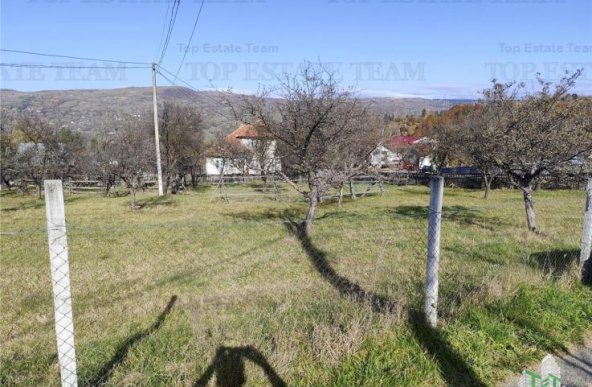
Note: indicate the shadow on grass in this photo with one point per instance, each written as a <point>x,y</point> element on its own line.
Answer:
<point>33,204</point>
<point>528,330</point>
<point>587,271</point>
<point>199,188</point>
<point>452,366</point>
<point>555,263</point>
<point>229,367</point>
<point>465,216</point>
<point>155,202</point>
<point>345,287</point>
<point>268,214</point>
<point>120,355</point>
<point>199,271</point>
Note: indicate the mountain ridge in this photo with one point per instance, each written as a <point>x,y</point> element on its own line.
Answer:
<point>90,111</point>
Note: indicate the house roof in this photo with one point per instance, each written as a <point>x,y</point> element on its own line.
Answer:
<point>244,131</point>
<point>397,142</point>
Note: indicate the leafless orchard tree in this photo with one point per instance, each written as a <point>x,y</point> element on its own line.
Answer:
<point>528,134</point>
<point>317,124</point>
<point>133,154</point>
<point>8,150</point>
<point>43,151</point>
<point>181,142</point>
<point>354,161</point>
<point>101,161</point>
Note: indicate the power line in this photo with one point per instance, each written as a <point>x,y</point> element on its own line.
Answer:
<point>172,21</point>
<point>164,23</point>
<point>194,89</point>
<point>72,57</point>
<point>42,66</point>
<point>190,38</point>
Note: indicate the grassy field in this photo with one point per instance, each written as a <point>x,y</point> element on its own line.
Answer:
<point>191,290</point>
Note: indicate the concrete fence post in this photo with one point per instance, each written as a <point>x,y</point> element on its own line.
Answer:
<point>60,280</point>
<point>433,258</point>
<point>586,245</point>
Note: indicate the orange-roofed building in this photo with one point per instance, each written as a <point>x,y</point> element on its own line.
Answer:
<point>260,154</point>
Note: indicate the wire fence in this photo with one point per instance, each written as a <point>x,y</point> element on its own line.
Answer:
<point>250,285</point>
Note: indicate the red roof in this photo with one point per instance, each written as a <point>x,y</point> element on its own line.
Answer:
<point>397,142</point>
<point>244,131</point>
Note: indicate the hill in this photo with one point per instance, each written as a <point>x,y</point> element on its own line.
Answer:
<point>89,111</point>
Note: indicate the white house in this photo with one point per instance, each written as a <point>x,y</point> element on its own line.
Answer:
<point>382,156</point>
<point>397,152</point>
<point>259,156</point>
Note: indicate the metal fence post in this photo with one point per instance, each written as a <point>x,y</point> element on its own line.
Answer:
<point>60,280</point>
<point>433,259</point>
<point>586,245</point>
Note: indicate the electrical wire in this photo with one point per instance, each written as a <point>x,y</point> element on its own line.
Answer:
<point>186,84</point>
<point>42,66</point>
<point>192,88</point>
<point>190,39</point>
<point>71,57</point>
<point>164,23</point>
<point>172,21</point>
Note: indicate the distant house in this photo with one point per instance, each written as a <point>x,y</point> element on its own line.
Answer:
<point>397,153</point>
<point>255,154</point>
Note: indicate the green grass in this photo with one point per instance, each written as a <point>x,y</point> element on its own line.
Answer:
<point>190,281</point>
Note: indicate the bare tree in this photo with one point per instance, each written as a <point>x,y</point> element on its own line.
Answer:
<point>101,161</point>
<point>181,142</point>
<point>316,124</point>
<point>44,152</point>
<point>477,152</point>
<point>8,150</point>
<point>356,159</point>
<point>529,134</point>
<point>133,155</point>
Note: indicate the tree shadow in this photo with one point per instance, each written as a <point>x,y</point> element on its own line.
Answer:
<point>345,287</point>
<point>154,202</point>
<point>267,214</point>
<point>586,271</point>
<point>453,368</point>
<point>189,275</point>
<point>546,341</point>
<point>555,263</point>
<point>229,367</point>
<point>465,216</point>
<point>199,188</point>
<point>29,205</point>
<point>120,355</point>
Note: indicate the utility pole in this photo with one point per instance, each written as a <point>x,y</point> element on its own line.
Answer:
<point>156,135</point>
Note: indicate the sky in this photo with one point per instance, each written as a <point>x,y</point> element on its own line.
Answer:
<point>398,48</point>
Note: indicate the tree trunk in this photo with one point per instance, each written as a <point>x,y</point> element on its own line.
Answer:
<point>192,178</point>
<point>108,184</point>
<point>133,196</point>
<point>352,191</point>
<point>37,191</point>
<point>528,205</point>
<point>340,202</point>
<point>166,183</point>
<point>312,205</point>
<point>487,178</point>
<point>5,183</point>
